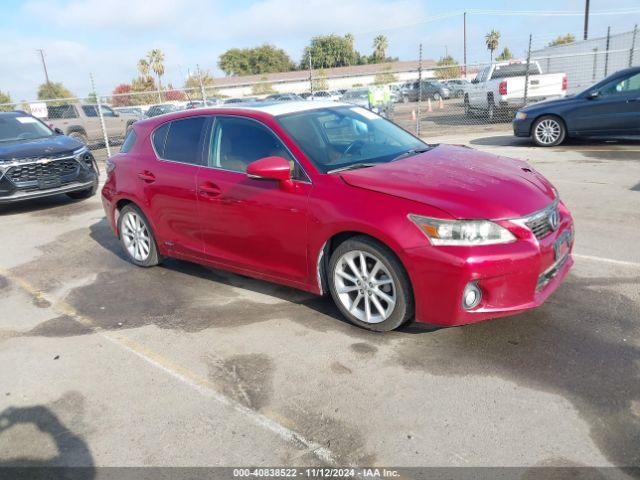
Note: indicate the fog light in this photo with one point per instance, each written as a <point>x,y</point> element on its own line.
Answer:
<point>471,296</point>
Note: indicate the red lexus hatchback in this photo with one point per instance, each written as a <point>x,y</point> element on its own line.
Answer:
<point>329,197</point>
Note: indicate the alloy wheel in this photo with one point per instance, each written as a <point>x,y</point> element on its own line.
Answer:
<point>136,237</point>
<point>548,131</point>
<point>365,286</point>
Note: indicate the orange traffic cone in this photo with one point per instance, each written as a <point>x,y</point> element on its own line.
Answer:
<point>429,109</point>
<point>441,104</point>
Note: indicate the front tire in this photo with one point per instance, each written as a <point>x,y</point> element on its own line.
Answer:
<point>548,131</point>
<point>369,285</point>
<point>137,237</point>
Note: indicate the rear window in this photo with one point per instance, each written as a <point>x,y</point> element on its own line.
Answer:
<point>61,111</point>
<point>180,140</point>
<point>515,70</point>
<point>129,141</point>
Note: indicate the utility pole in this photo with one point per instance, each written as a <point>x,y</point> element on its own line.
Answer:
<point>44,65</point>
<point>464,46</point>
<point>586,19</point>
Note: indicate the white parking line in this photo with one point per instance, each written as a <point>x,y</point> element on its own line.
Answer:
<point>607,260</point>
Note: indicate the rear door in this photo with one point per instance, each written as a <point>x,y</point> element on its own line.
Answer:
<point>614,111</point>
<point>168,178</point>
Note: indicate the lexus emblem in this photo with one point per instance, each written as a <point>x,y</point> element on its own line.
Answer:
<point>554,219</point>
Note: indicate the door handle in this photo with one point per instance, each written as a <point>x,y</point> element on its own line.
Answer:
<point>147,176</point>
<point>209,189</point>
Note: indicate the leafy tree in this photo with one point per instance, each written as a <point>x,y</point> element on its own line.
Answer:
<point>143,68</point>
<point>120,95</point>
<point>50,90</point>
<point>380,45</point>
<point>492,40</point>
<point>505,55</point>
<point>320,82</point>
<point>449,68</point>
<point>5,98</point>
<point>328,51</point>
<point>385,77</point>
<point>156,62</point>
<point>262,88</point>
<point>141,85</point>
<point>192,84</point>
<point>255,61</point>
<point>92,98</point>
<point>563,40</point>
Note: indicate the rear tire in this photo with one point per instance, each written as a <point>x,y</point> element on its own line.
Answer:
<point>376,294</point>
<point>137,238</point>
<point>548,131</point>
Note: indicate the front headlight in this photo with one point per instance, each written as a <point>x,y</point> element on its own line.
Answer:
<point>462,232</point>
<point>521,115</point>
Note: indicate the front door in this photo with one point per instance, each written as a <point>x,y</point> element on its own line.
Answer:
<point>615,110</point>
<point>256,225</point>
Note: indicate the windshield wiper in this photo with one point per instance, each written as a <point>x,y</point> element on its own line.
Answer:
<point>353,166</point>
<point>412,152</point>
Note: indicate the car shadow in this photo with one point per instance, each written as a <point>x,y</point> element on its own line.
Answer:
<point>37,204</point>
<point>513,141</point>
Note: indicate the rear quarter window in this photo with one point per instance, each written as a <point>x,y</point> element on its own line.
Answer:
<point>159,138</point>
<point>129,141</point>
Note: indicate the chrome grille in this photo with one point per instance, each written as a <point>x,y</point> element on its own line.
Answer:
<point>541,223</point>
<point>33,171</point>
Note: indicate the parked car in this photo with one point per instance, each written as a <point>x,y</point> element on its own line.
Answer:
<point>134,111</point>
<point>241,100</point>
<point>325,95</point>
<point>82,122</point>
<point>432,89</point>
<point>610,108</point>
<point>331,198</point>
<point>155,110</point>
<point>200,104</point>
<point>357,96</point>
<point>305,95</point>
<point>498,89</point>
<point>457,87</point>
<point>37,161</point>
<point>284,97</point>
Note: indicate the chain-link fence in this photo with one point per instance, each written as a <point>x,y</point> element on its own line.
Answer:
<point>423,96</point>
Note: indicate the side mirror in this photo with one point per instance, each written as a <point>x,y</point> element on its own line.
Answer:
<point>270,168</point>
<point>593,95</point>
<point>58,131</point>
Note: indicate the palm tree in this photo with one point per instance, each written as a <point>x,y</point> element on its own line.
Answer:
<point>492,39</point>
<point>143,68</point>
<point>156,57</point>
<point>380,45</point>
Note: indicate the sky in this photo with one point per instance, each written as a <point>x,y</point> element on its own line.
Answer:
<point>107,38</point>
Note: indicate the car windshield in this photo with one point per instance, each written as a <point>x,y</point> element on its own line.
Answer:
<point>339,137</point>
<point>22,127</point>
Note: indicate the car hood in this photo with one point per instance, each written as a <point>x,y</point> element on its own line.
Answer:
<point>461,181</point>
<point>550,103</point>
<point>56,145</point>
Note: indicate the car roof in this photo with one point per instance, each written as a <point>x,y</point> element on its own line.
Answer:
<point>14,113</point>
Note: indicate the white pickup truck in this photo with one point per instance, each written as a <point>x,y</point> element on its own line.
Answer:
<point>498,89</point>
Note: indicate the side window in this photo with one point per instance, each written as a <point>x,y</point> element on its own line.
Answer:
<point>622,86</point>
<point>61,111</point>
<point>183,142</point>
<point>90,110</point>
<point>238,142</point>
<point>106,111</point>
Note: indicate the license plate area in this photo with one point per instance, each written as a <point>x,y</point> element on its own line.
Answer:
<point>49,181</point>
<point>562,245</point>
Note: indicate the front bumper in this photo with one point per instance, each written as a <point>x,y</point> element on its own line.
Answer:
<point>26,180</point>
<point>522,128</point>
<point>512,277</point>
